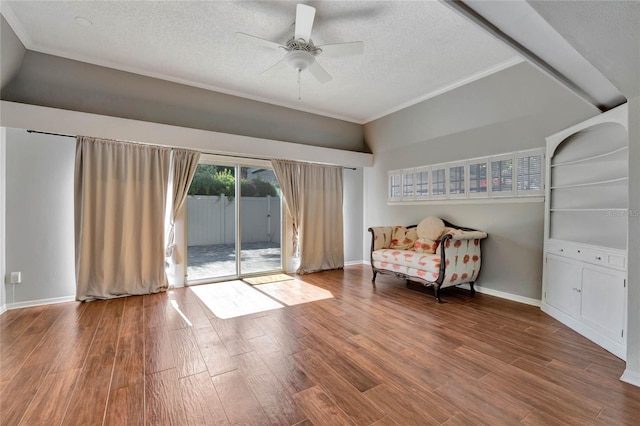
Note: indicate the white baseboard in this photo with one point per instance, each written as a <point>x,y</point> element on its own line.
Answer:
<point>356,262</point>
<point>3,309</point>
<point>631,377</point>
<point>40,302</point>
<point>504,295</point>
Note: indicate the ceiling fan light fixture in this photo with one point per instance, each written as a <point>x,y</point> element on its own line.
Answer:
<point>299,59</point>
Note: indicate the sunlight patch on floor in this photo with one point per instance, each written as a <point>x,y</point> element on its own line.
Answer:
<point>233,299</point>
<point>294,292</point>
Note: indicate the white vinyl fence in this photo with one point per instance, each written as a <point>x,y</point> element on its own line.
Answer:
<point>211,219</point>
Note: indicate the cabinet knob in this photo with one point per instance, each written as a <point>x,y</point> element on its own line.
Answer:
<point>561,250</point>
<point>578,251</point>
<point>577,289</point>
<point>598,258</point>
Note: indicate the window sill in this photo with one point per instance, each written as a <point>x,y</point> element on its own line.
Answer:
<point>495,200</point>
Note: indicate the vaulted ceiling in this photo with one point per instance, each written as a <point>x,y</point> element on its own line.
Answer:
<point>413,50</point>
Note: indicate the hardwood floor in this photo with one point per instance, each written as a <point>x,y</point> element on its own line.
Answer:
<point>366,356</point>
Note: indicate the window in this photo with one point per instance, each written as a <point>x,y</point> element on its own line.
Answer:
<point>457,184</point>
<point>395,179</point>
<point>478,178</point>
<point>502,175</point>
<point>407,184</point>
<point>530,172</point>
<point>514,174</point>
<point>439,181</point>
<point>422,183</point>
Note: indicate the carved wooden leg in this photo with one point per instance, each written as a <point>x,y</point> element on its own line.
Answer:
<point>373,280</point>
<point>473,290</point>
<point>436,290</point>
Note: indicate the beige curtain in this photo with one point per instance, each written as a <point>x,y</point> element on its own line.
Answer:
<point>317,192</point>
<point>120,200</point>
<point>184,163</point>
<point>288,175</point>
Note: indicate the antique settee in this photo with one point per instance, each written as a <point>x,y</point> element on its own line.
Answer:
<point>434,253</point>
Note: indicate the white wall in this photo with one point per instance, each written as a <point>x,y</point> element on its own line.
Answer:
<point>39,216</point>
<point>3,270</point>
<point>353,213</point>
<point>512,110</point>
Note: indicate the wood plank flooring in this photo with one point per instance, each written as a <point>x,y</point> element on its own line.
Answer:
<point>387,355</point>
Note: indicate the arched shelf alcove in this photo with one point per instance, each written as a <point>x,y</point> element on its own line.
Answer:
<point>586,220</point>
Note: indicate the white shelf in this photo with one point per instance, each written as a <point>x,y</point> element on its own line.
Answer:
<point>586,229</point>
<point>594,157</point>
<point>600,182</point>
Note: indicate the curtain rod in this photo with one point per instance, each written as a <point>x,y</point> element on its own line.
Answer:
<point>202,152</point>
<point>52,134</point>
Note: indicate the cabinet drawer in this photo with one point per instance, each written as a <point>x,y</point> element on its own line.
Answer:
<point>588,254</point>
<point>559,249</point>
<point>617,261</point>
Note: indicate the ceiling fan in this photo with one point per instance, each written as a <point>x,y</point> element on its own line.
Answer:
<point>300,51</point>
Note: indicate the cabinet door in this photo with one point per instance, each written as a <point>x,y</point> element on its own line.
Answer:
<point>563,285</point>
<point>604,302</point>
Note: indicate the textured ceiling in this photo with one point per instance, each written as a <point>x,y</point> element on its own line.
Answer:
<point>413,49</point>
<point>606,33</point>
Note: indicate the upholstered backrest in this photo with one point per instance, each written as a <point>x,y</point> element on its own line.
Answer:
<point>403,238</point>
<point>381,236</point>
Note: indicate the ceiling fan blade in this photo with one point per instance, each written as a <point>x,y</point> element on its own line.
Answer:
<point>276,68</point>
<point>258,41</point>
<point>342,49</point>
<point>304,21</point>
<point>319,72</point>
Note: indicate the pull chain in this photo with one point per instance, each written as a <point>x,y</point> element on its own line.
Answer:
<point>299,84</point>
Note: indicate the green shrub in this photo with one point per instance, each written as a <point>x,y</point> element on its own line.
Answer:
<point>218,180</point>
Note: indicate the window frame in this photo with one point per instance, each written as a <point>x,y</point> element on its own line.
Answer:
<point>405,174</point>
<point>527,154</point>
<point>417,170</point>
<point>502,194</point>
<point>472,162</point>
<point>433,195</point>
<point>457,164</point>
<point>390,175</point>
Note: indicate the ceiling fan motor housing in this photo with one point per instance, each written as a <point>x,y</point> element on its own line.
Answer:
<point>300,59</point>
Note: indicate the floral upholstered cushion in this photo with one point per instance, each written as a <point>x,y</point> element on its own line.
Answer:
<point>407,258</point>
<point>425,245</point>
<point>403,238</point>
<point>408,270</point>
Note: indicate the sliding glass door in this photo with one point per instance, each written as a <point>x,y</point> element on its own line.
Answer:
<point>231,236</point>
<point>211,223</point>
<point>260,232</point>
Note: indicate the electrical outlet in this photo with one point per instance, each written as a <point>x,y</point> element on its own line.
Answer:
<point>16,277</point>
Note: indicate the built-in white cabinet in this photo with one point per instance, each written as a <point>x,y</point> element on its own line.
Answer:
<point>586,209</point>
